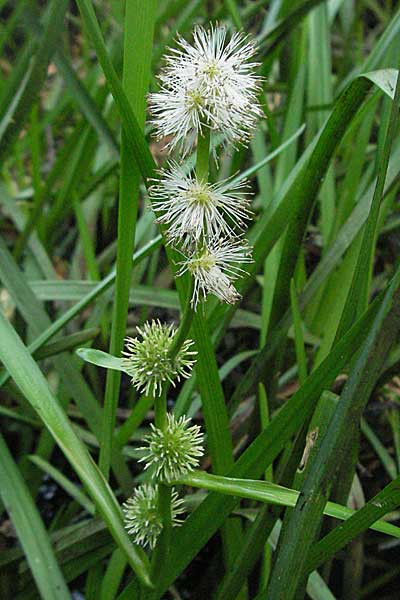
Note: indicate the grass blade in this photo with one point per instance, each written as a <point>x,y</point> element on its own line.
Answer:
<point>34,387</point>
<point>138,36</point>
<point>388,499</point>
<point>30,529</point>
<point>264,491</point>
<point>304,519</point>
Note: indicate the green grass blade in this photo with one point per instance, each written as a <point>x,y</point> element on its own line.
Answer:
<point>138,37</point>
<point>358,296</point>
<point>69,487</point>
<point>298,334</point>
<point>383,454</point>
<point>388,499</point>
<point>264,491</point>
<point>304,520</point>
<point>78,91</point>
<point>34,387</point>
<point>140,152</point>
<point>35,77</point>
<point>30,529</point>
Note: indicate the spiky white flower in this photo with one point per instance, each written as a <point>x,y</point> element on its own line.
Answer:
<point>175,450</point>
<point>195,209</point>
<point>142,518</point>
<point>214,266</point>
<point>209,83</point>
<point>148,360</point>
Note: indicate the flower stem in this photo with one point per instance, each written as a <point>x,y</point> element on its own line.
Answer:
<point>203,154</point>
<point>160,554</point>
<point>160,409</point>
<point>185,324</point>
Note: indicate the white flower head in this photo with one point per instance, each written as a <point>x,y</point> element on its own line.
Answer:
<point>214,267</point>
<point>209,83</point>
<point>142,518</point>
<point>194,209</point>
<point>174,451</point>
<point>148,361</point>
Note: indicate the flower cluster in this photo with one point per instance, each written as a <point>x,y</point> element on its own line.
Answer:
<point>207,86</point>
<point>209,83</point>
<point>175,450</point>
<point>148,360</point>
<point>192,209</point>
<point>142,517</point>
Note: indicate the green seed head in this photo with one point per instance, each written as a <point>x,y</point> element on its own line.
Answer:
<point>174,451</point>
<point>142,518</point>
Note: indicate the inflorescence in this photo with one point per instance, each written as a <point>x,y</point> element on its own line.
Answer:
<point>142,518</point>
<point>209,83</point>
<point>193,209</point>
<point>174,451</point>
<point>207,86</point>
<point>148,360</point>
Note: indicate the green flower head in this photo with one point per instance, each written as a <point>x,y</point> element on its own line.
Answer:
<point>141,516</point>
<point>147,358</point>
<point>174,451</point>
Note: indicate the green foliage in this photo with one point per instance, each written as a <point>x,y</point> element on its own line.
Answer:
<point>295,385</point>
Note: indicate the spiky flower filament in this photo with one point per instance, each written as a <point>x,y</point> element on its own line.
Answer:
<point>142,518</point>
<point>214,266</point>
<point>194,210</point>
<point>208,83</point>
<point>175,450</point>
<point>148,361</point>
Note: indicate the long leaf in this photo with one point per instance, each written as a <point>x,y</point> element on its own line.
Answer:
<point>30,529</point>
<point>139,27</point>
<point>35,77</point>
<point>140,152</point>
<point>304,519</point>
<point>387,500</point>
<point>206,519</point>
<point>264,491</point>
<point>32,384</point>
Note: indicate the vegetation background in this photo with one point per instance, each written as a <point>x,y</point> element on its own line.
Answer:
<point>298,385</point>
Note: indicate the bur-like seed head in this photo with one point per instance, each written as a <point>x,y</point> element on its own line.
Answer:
<point>147,358</point>
<point>142,518</point>
<point>174,451</point>
<point>214,267</point>
<point>209,83</point>
<point>193,209</point>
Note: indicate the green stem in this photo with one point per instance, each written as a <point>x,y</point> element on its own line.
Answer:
<point>203,154</point>
<point>184,326</point>
<point>161,551</point>
<point>139,26</point>
<point>160,409</point>
<point>160,555</point>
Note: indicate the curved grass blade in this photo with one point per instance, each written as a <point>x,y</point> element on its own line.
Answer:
<point>35,78</point>
<point>304,520</point>
<point>387,500</point>
<point>63,481</point>
<point>33,385</point>
<point>135,139</point>
<point>30,529</point>
<point>271,493</point>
